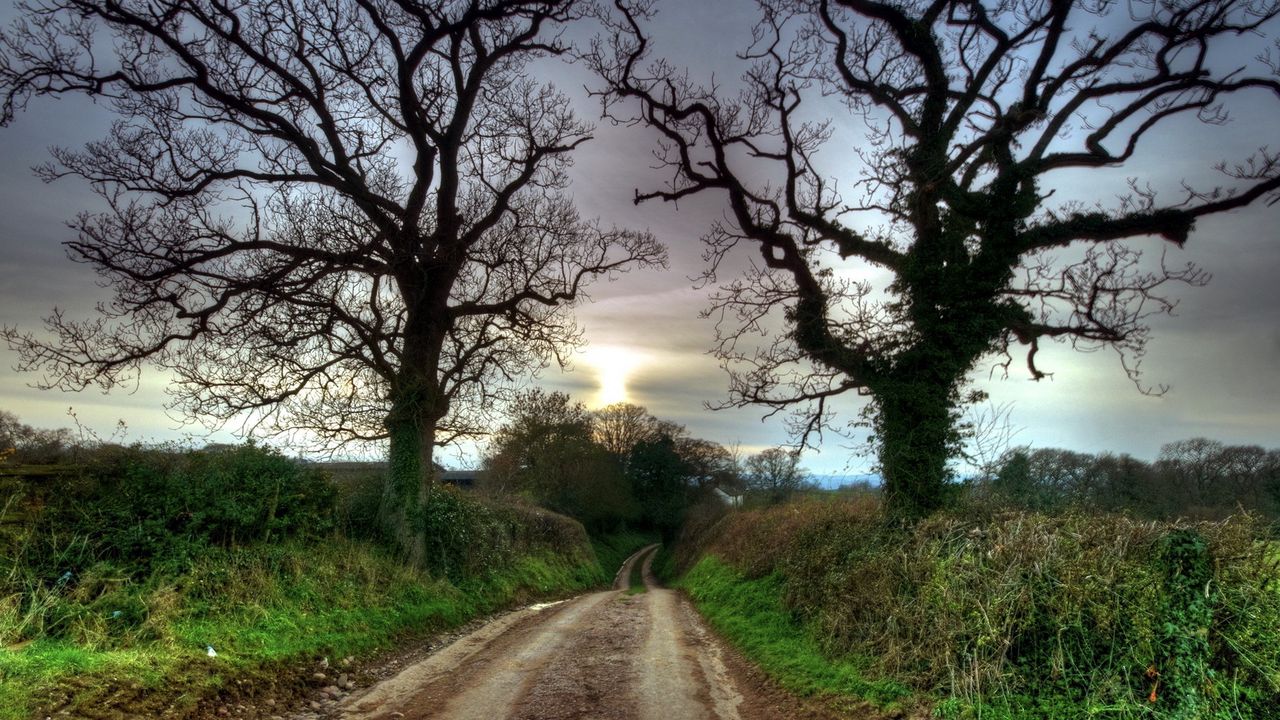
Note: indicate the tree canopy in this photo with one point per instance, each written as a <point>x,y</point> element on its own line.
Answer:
<point>611,467</point>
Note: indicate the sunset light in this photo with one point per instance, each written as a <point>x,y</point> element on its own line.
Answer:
<point>612,366</point>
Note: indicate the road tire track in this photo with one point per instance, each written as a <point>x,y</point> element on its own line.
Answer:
<point>610,655</point>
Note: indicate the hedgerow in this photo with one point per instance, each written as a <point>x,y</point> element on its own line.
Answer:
<point>1025,615</point>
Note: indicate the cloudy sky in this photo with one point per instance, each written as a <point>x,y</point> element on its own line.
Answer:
<point>1220,355</point>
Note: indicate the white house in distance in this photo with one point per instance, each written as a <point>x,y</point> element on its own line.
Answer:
<point>726,498</point>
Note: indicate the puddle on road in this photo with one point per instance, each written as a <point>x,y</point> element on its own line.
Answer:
<point>541,606</point>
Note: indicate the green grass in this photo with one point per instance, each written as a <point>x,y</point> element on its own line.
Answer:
<point>664,565</point>
<point>1029,617</point>
<point>750,612</point>
<point>262,610</point>
<point>613,549</point>
<point>635,583</point>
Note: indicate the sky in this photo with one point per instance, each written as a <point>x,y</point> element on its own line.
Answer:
<point>646,344</point>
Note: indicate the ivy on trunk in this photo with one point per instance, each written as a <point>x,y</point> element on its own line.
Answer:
<point>940,245</point>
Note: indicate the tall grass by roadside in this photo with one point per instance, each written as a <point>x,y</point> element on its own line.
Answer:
<point>117,580</point>
<point>260,608</point>
<point>1015,615</point>
<point>753,614</point>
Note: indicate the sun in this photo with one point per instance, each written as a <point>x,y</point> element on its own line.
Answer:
<point>613,366</point>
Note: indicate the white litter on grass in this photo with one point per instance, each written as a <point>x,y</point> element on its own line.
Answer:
<point>210,651</point>
<point>540,606</point>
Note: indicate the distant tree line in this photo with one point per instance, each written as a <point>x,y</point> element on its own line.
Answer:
<point>21,444</point>
<point>1196,478</point>
<point>621,466</point>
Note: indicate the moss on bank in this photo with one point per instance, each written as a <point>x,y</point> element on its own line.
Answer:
<point>752,614</point>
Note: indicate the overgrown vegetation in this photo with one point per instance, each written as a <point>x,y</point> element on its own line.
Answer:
<point>754,615</point>
<point>160,579</point>
<point>1018,615</point>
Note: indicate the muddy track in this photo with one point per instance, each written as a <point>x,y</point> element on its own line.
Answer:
<point>610,654</point>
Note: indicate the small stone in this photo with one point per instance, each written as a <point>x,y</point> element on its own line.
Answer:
<point>224,711</point>
<point>332,691</point>
<point>344,681</point>
<point>315,705</point>
<point>269,702</point>
<point>319,677</point>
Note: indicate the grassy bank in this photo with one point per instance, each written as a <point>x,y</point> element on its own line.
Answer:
<point>752,613</point>
<point>117,579</point>
<point>613,549</point>
<point>1018,616</point>
<point>262,610</point>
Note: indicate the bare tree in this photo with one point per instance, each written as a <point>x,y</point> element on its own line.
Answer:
<point>618,427</point>
<point>774,474</point>
<point>711,465</point>
<point>963,112</point>
<point>343,216</point>
<point>22,444</point>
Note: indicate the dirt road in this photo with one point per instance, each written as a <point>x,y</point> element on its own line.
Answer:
<point>611,654</point>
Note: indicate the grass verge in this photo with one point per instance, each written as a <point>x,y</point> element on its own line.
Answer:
<point>635,583</point>
<point>1020,616</point>
<point>751,613</point>
<point>263,609</point>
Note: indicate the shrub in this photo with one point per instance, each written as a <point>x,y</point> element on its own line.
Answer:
<point>1032,615</point>
<point>107,553</point>
<point>467,535</point>
<point>145,507</point>
<point>130,512</point>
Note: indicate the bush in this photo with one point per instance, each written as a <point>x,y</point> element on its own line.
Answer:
<point>144,507</point>
<point>467,535</point>
<point>1027,615</point>
<point>130,512</point>
<point>113,554</point>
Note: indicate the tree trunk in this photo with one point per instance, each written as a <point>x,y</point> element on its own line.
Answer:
<point>915,428</point>
<point>410,477</point>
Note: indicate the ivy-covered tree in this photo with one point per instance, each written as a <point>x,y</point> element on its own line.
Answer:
<point>918,141</point>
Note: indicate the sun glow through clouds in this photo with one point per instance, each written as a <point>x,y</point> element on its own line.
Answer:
<point>613,366</point>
